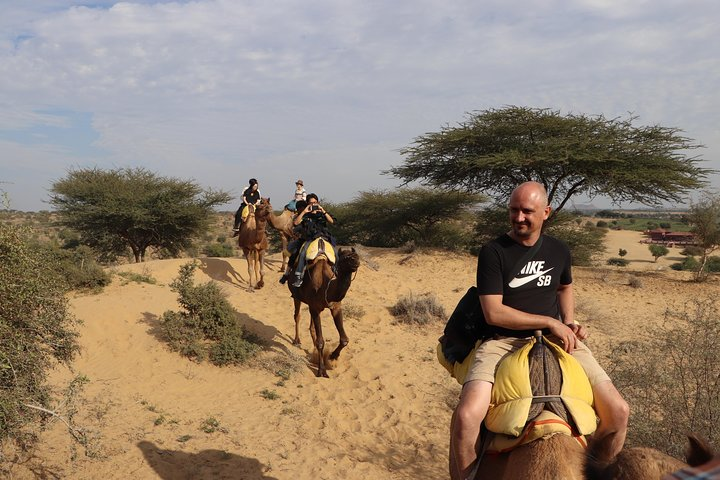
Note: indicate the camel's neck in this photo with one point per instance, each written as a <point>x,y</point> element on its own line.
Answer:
<point>340,286</point>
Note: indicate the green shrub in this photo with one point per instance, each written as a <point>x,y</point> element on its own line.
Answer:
<point>618,262</point>
<point>421,309</point>
<point>208,327</point>
<point>219,250</point>
<point>689,264</point>
<point>36,331</point>
<point>601,224</point>
<point>692,251</point>
<point>77,267</point>
<point>713,264</point>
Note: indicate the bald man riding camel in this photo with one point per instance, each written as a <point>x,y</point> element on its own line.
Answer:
<point>540,297</point>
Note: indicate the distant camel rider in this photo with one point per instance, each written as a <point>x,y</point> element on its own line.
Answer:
<point>250,196</point>
<point>310,223</point>
<point>300,194</point>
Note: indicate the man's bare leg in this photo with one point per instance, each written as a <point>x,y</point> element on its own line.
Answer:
<point>465,427</point>
<point>613,412</point>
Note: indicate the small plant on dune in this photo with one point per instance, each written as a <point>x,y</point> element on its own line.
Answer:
<point>269,394</point>
<point>672,379</point>
<point>137,277</point>
<point>353,311</point>
<point>208,327</point>
<point>421,309</point>
<point>211,425</point>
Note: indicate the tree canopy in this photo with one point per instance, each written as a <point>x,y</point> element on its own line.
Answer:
<point>495,150</point>
<point>391,218</point>
<point>135,208</point>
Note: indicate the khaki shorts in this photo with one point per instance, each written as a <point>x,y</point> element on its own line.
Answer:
<point>490,352</point>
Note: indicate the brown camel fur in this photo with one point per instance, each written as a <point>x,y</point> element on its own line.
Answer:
<point>556,457</point>
<point>646,463</point>
<point>254,243</point>
<point>322,289</point>
<point>283,223</point>
<point>636,463</point>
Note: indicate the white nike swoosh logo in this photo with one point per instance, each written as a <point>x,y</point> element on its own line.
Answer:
<point>519,282</point>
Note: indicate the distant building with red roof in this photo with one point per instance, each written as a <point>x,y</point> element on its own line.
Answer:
<point>671,239</point>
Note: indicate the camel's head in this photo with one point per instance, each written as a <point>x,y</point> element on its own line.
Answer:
<point>263,209</point>
<point>348,260</point>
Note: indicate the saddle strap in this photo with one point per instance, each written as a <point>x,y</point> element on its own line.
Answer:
<point>546,398</point>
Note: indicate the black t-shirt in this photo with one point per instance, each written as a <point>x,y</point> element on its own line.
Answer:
<point>252,196</point>
<point>534,289</point>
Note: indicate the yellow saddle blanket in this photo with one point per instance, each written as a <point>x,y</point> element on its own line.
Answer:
<point>320,246</point>
<point>511,396</point>
<point>245,212</point>
<point>544,425</point>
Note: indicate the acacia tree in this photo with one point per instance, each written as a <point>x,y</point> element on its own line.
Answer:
<point>391,218</point>
<point>704,217</point>
<point>495,150</point>
<point>135,208</point>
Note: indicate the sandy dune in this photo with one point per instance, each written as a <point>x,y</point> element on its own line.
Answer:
<point>383,414</point>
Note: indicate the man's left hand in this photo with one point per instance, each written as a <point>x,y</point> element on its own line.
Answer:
<point>580,331</point>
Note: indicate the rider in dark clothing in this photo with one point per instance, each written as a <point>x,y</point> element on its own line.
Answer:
<point>250,196</point>
<point>311,222</point>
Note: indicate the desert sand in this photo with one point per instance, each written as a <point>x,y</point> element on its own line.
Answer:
<point>383,413</point>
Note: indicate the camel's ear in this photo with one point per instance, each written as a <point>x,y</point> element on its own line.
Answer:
<point>698,451</point>
<point>352,249</point>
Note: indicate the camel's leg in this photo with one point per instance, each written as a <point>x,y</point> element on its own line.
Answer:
<point>260,269</point>
<point>336,311</point>
<point>319,343</point>
<point>298,303</point>
<point>312,331</point>
<point>249,256</point>
<point>285,253</point>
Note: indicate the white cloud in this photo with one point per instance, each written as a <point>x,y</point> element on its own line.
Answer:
<point>213,89</point>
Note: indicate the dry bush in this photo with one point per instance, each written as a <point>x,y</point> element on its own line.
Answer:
<point>208,328</point>
<point>635,282</point>
<point>281,365</point>
<point>420,310</point>
<point>672,379</point>
<point>351,310</point>
<point>36,332</point>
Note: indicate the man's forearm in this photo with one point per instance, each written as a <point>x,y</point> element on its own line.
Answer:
<point>500,315</point>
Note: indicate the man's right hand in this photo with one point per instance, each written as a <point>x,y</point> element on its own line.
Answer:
<point>565,334</point>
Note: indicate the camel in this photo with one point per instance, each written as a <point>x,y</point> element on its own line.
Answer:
<point>254,243</point>
<point>561,456</point>
<point>645,463</point>
<point>321,289</point>
<point>283,223</point>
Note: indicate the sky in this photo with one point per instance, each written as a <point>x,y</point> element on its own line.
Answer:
<point>329,91</point>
